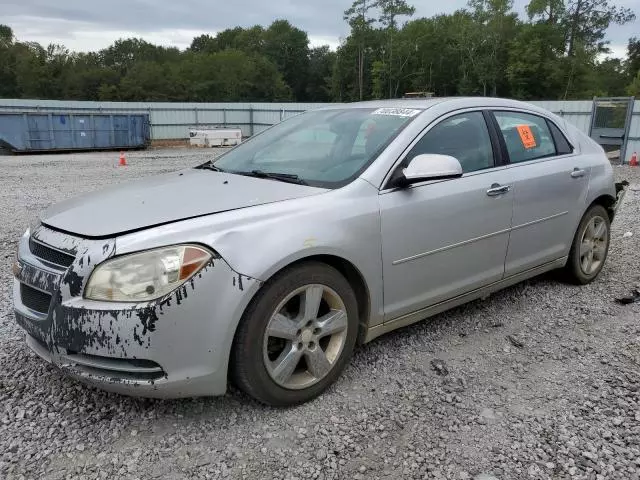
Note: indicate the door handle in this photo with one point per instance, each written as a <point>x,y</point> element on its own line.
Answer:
<point>497,190</point>
<point>577,173</point>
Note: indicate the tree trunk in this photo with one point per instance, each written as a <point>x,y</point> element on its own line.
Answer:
<point>361,53</point>
<point>360,71</point>
<point>390,63</point>
<point>570,79</point>
<point>574,28</point>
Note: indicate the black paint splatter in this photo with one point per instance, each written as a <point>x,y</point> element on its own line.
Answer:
<point>43,280</point>
<point>74,281</point>
<point>136,337</point>
<point>148,317</point>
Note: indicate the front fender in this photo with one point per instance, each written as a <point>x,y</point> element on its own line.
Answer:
<point>303,254</point>
<point>259,241</point>
<point>349,230</point>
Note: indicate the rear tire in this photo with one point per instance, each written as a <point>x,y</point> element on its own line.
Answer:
<point>590,247</point>
<point>296,337</point>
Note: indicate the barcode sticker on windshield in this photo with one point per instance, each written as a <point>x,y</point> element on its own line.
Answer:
<point>397,112</point>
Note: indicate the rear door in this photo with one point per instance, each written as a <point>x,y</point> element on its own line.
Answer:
<point>550,183</point>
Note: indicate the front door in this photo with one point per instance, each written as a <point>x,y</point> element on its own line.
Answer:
<point>444,238</point>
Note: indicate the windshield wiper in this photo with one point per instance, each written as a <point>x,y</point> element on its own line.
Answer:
<point>282,177</point>
<point>209,166</point>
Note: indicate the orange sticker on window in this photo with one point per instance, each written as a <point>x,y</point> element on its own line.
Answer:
<point>526,136</point>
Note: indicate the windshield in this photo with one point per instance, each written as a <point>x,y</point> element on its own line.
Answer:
<point>323,148</point>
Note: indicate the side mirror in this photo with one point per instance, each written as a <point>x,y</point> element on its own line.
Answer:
<point>430,167</point>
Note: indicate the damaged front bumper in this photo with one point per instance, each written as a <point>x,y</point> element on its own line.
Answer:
<point>177,346</point>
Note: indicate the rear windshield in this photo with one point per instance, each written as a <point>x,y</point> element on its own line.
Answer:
<point>325,148</point>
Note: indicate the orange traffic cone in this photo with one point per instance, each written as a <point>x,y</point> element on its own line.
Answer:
<point>123,160</point>
<point>634,160</point>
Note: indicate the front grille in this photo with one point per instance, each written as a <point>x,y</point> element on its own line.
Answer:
<point>50,255</point>
<point>34,299</point>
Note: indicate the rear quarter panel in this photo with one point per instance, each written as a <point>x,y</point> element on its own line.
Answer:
<point>601,180</point>
<point>593,157</point>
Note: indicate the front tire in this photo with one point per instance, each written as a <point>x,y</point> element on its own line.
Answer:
<point>590,247</point>
<point>296,337</point>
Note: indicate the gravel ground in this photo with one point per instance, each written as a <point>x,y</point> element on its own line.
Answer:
<point>539,381</point>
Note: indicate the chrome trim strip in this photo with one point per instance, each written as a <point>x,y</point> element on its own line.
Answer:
<point>25,256</point>
<point>540,220</point>
<point>449,247</point>
<point>29,314</point>
<point>114,364</point>
<point>22,309</point>
<point>473,240</point>
<point>51,265</point>
<point>22,282</point>
<point>41,316</point>
<point>35,240</point>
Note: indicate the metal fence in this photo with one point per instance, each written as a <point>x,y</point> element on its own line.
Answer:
<point>577,112</point>
<point>633,144</point>
<point>174,120</point>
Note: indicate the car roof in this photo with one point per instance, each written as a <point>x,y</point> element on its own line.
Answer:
<point>425,103</point>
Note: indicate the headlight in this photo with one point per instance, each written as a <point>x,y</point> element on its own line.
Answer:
<point>145,276</point>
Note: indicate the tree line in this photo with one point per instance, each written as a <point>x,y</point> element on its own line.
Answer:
<point>556,52</point>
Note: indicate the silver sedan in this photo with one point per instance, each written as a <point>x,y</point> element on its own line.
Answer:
<point>267,266</point>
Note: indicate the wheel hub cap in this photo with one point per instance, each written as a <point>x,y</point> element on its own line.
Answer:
<point>306,336</point>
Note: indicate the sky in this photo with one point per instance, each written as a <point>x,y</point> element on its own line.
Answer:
<point>90,25</point>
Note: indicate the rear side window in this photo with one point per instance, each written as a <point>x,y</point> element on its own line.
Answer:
<point>563,147</point>
<point>527,137</point>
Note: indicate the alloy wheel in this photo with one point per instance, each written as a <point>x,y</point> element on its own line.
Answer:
<point>593,246</point>
<point>305,336</point>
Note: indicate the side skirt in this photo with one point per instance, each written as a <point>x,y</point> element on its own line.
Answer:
<point>432,310</point>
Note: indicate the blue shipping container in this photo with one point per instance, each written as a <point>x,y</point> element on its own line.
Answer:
<point>41,132</point>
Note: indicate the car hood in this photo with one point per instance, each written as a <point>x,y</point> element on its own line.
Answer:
<point>166,198</point>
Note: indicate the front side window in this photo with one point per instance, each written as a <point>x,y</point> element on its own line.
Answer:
<point>464,137</point>
<point>527,136</point>
<point>324,148</point>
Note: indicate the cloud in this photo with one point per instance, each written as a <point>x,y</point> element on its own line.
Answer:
<point>89,25</point>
